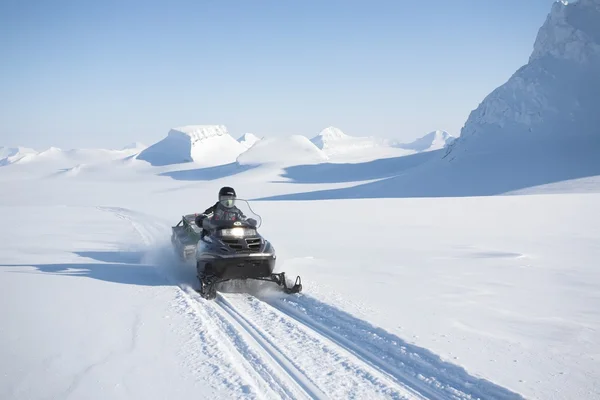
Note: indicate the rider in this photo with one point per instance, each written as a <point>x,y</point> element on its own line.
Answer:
<point>224,209</point>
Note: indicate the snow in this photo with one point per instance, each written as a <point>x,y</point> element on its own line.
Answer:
<point>457,296</point>
<point>435,140</point>
<point>10,155</point>
<point>570,33</point>
<point>461,272</point>
<point>201,144</point>
<point>343,148</point>
<point>109,313</point>
<point>333,142</point>
<point>289,150</point>
<point>248,139</point>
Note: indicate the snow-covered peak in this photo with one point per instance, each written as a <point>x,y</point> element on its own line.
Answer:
<point>248,140</point>
<point>432,141</point>
<point>552,101</point>
<point>328,137</point>
<point>198,133</point>
<point>287,150</point>
<point>202,144</point>
<point>332,133</point>
<point>571,32</point>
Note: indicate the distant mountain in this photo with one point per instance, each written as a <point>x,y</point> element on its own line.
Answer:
<point>205,144</point>
<point>286,150</point>
<point>55,158</point>
<point>333,141</point>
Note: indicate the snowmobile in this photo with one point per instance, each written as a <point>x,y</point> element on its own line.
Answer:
<point>226,250</point>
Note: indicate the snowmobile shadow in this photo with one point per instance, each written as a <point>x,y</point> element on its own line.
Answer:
<point>127,274</point>
<point>407,363</point>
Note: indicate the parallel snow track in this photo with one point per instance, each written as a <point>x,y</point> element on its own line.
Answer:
<point>419,387</point>
<point>334,370</point>
<point>287,366</point>
<point>272,373</point>
<point>268,373</point>
<point>294,349</point>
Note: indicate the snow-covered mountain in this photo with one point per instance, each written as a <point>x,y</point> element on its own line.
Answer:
<point>553,100</point>
<point>203,144</point>
<point>54,157</point>
<point>10,155</point>
<point>342,147</point>
<point>286,150</point>
<point>248,139</point>
<point>432,141</point>
<point>333,142</point>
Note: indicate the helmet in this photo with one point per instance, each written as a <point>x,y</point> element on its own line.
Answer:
<point>227,196</point>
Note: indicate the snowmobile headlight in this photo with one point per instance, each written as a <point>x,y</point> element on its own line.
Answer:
<point>238,232</point>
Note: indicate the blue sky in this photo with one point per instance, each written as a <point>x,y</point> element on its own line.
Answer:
<point>104,74</point>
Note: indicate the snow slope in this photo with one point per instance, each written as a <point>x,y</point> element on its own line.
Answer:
<point>432,141</point>
<point>553,99</point>
<point>288,150</point>
<point>202,144</point>
<point>248,139</point>
<point>342,148</point>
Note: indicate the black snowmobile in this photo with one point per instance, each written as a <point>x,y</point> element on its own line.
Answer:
<point>227,250</point>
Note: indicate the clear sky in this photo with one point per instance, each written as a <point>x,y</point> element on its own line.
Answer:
<point>103,74</point>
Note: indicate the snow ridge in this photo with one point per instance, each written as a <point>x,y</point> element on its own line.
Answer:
<point>571,32</point>
<point>432,141</point>
<point>203,144</point>
<point>553,98</point>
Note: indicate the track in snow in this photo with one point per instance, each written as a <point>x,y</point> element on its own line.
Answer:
<point>297,347</point>
<point>406,364</point>
<point>287,367</point>
<point>333,370</point>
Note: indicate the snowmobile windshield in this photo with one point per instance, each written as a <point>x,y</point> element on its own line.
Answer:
<point>236,210</point>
